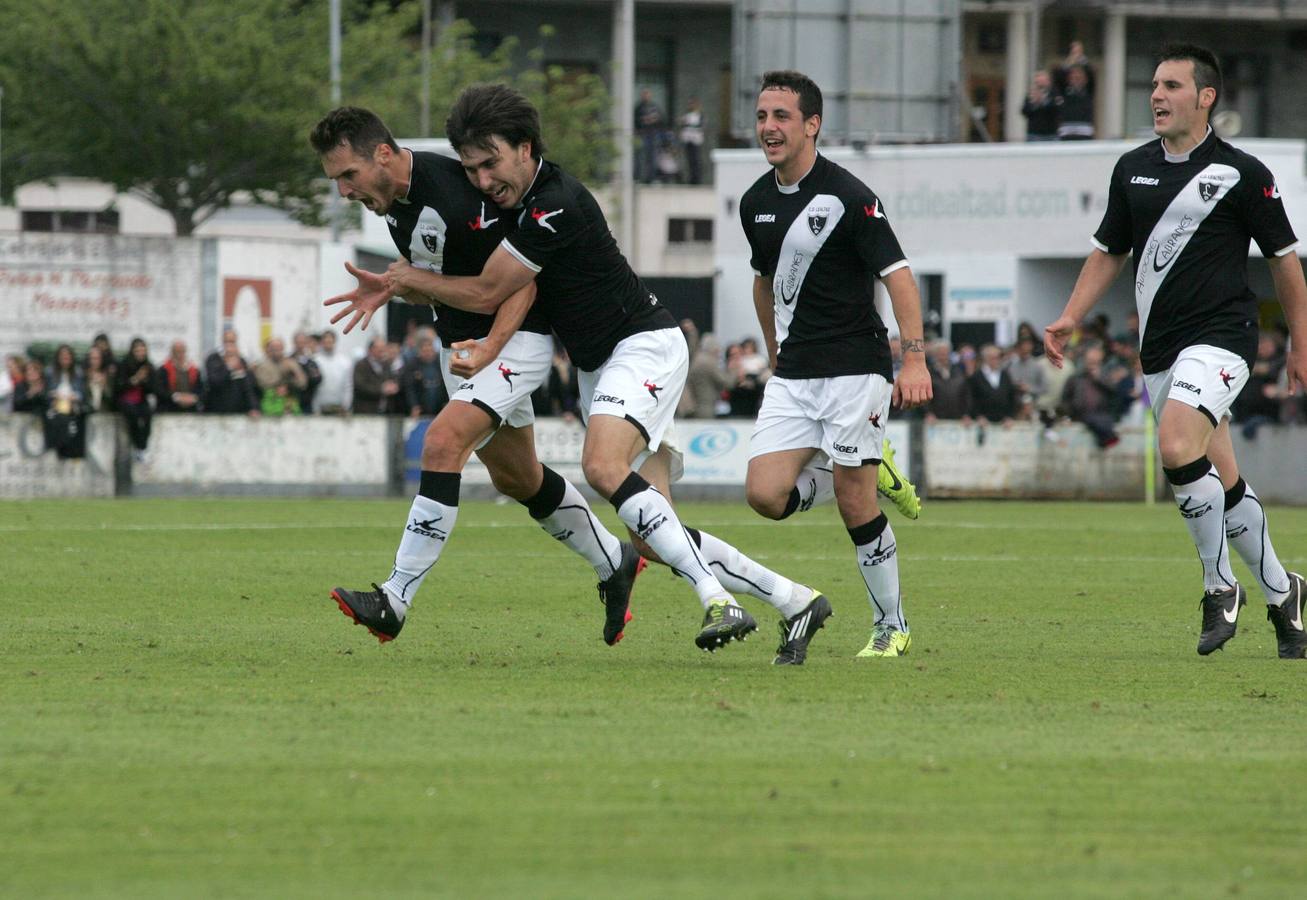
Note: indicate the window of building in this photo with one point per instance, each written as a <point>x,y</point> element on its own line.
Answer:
<point>104,221</point>
<point>689,231</point>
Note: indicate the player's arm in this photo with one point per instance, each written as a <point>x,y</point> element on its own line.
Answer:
<point>764,304</point>
<point>912,387</point>
<point>508,319</point>
<point>502,276</point>
<point>1096,276</point>
<point>1290,287</point>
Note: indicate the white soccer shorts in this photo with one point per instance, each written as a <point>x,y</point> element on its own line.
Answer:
<point>1204,377</point>
<point>844,417</point>
<point>503,389</point>
<point>641,381</point>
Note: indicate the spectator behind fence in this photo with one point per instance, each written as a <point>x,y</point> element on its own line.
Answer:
<point>10,379</point>
<point>1089,398</point>
<point>993,393</point>
<point>423,381</point>
<point>337,370</point>
<point>99,382</point>
<point>1027,372</point>
<point>705,382</point>
<point>101,342</point>
<point>306,348</point>
<point>746,374</point>
<point>1042,109</point>
<point>280,380</point>
<point>65,414</point>
<point>691,136</point>
<point>648,127</point>
<point>376,389</point>
<point>1077,106</point>
<point>950,393</point>
<point>229,386</point>
<point>134,385</point>
<point>177,383</point>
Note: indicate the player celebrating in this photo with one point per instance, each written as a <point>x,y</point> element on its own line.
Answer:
<point>440,223</point>
<point>1187,205</point>
<point>819,238</point>
<point>631,356</point>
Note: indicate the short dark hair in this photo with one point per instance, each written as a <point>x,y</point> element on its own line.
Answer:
<point>361,128</point>
<point>485,110</point>
<point>1207,68</point>
<point>805,87</point>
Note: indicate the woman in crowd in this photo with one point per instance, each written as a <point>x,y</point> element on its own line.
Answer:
<point>133,387</point>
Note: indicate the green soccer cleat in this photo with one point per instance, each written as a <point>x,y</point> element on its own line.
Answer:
<point>886,640</point>
<point>892,483</point>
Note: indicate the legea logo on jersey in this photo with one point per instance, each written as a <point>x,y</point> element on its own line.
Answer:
<point>764,217</point>
<point>714,442</point>
<point>817,216</point>
<point>1272,192</point>
<point>1144,179</point>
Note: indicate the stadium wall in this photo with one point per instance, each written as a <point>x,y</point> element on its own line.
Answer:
<point>380,456</point>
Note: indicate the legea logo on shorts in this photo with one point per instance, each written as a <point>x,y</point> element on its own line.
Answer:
<point>1184,385</point>
<point>714,442</point>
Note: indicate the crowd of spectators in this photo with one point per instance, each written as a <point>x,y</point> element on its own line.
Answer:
<point>1101,387</point>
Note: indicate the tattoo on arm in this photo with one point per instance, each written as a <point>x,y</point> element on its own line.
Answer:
<point>913,345</point>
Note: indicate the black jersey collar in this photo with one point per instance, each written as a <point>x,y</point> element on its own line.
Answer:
<point>1184,157</point>
<point>412,173</point>
<point>540,167</point>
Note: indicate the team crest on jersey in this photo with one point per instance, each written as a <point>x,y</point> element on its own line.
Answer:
<point>1208,188</point>
<point>430,238</point>
<point>817,216</point>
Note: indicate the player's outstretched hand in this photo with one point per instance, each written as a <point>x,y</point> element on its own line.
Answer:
<point>469,357</point>
<point>372,293</point>
<point>912,387</point>
<point>1055,338</point>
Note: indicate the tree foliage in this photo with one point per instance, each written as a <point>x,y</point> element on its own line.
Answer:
<point>187,104</point>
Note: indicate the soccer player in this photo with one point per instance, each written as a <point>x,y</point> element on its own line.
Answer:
<point>1186,206</point>
<point>631,356</point>
<point>441,223</point>
<point>819,239</point>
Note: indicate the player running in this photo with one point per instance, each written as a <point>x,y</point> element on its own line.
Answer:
<point>441,224</point>
<point>1186,206</point>
<point>819,237</point>
<point>631,356</point>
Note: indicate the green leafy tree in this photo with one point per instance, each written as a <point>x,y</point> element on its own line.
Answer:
<point>190,105</point>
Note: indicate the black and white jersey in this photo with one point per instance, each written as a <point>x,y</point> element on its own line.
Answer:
<point>823,242</point>
<point>585,288</point>
<point>1188,220</point>
<point>446,225</point>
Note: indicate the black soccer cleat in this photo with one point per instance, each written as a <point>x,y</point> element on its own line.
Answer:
<point>724,622</point>
<point>370,609</point>
<point>1287,619</point>
<point>1220,617</point>
<point>798,630</point>
<point>615,593</point>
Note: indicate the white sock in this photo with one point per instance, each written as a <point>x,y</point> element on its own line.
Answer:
<point>741,575</point>
<point>573,523</point>
<point>648,513</point>
<point>814,485</point>
<point>878,562</point>
<point>1202,503</point>
<point>1246,532</point>
<point>429,526</point>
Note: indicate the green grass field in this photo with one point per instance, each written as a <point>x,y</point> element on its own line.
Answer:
<point>185,713</point>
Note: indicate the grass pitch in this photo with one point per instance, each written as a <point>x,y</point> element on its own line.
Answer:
<point>185,713</point>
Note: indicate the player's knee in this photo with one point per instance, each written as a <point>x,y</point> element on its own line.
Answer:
<point>767,503</point>
<point>603,474</point>
<point>1177,449</point>
<point>442,451</point>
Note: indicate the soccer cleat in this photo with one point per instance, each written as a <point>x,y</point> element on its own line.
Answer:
<point>615,594</point>
<point>1220,617</point>
<point>1287,619</point>
<point>724,622</point>
<point>892,483</point>
<point>370,609</point>
<point>799,629</point>
<point>886,640</point>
